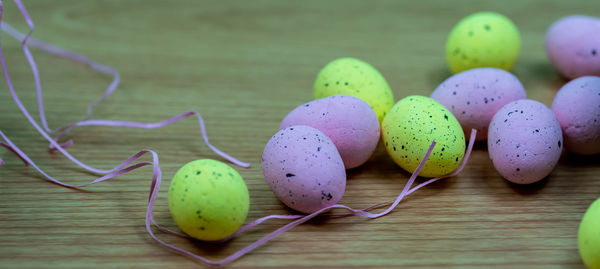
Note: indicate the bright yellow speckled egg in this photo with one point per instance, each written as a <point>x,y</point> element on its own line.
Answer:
<point>589,236</point>
<point>410,127</point>
<point>354,77</point>
<point>484,39</point>
<point>208,199</point>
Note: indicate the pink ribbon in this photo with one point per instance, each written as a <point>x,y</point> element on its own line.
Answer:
<point>129,165</point>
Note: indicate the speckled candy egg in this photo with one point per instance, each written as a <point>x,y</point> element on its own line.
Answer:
<point>524,141</point>
<point>304,169</point>
<point>474,96</point>
<point>589,236</point>
<point>410,127</point>
<point>208,199</point>
<point>354,77</point>
<point>347,120</point>
<point>573,46</point>
<point>577,108</point>
<point>484,39</point>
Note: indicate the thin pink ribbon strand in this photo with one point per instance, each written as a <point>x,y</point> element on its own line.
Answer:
<point>157,174</point>
<point>80,58</point>
<point>299,219</point>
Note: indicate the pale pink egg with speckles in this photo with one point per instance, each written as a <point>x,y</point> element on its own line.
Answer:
<point>524,141</point>
<point>304,169</point>
<point>577,108</point>
<point>573,46</point>
<point>348,121</point>
<point>475,95</point>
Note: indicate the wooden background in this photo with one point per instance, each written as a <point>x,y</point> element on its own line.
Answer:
<point>243,65</point>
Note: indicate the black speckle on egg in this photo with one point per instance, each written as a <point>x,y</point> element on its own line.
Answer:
<point>454,93</point>
<point>289,175</point>
<point>487,27</point>
<point>198,172</point>
<point>518,169</point>
<point>594,52</point>
<point>559,144</point>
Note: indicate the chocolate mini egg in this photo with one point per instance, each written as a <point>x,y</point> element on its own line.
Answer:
<point>474,96</point>
<point>304,169</point>
<point>484,39</point>
<point>524,141</point>
<point>589,236</point>
<point>577,108</point>
<point>347,120</point>
<point>208,199</point>
<point>354,77</point>
<point>410,127</point>
<point>573,46</point>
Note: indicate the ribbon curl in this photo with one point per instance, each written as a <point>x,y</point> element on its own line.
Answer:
<point>129,165</point>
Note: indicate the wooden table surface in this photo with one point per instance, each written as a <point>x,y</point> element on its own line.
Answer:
<point>243,65</point>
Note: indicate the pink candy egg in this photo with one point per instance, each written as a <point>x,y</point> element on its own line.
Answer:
<point>524,141</point>
<point>304,169</point>
<point>577,108</point>
<point>475,95</point>
<point>573,46</point>
<point>348,121</point>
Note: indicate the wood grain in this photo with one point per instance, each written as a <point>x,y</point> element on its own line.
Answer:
<point>243,65</point>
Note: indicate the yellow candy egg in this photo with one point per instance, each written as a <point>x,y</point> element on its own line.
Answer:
<point>484,39</point>
<point>589,236</point>
<point>410,127</point>
<point>354,77</point>
<point>208,199</point>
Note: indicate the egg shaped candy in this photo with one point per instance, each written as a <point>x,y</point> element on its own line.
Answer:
<point>347,120</point>
<point>589,236</point>
<point>354,77</point>
<point>304,169</point>
<point>573,46</point>
<point>208,199</point>
<point>483,39</point>
<point>410,127</point>
<point>524,141</point>
<point>577,108</point>
<point>474,96</point>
